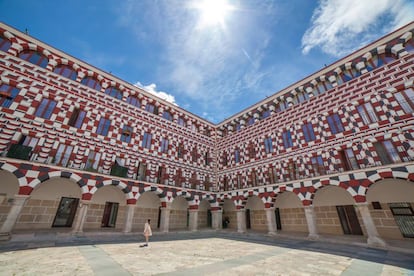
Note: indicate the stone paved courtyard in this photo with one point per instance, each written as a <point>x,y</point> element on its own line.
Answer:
<point>202,254</point>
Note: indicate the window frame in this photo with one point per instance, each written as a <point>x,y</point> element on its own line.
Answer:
<point>147,140</point>
<point>45,108</point>
<point>91,82</point>
<point>8,95</point>
<point>287,139</point>
<point>335,123</point>
<point>308,132</point>
<point>34,57</point>
<point>66,71</point>
<point>103,126</point>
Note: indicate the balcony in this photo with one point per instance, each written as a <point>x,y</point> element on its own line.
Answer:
<point>118,170</point>
<point>19,152</point>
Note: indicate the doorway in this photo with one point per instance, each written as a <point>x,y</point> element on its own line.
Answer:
<point>278,221</point>
<point>209,218</point>
<point>349,220</point>
<point>110,214</point>
<point>248,222</point>
<point>66,212</point>
<point>404,217</point>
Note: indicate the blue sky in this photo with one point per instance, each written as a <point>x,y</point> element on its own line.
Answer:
<point>212,69</point>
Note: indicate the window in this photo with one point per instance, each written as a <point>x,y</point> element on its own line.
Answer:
<point>292,170</point>
<point>181,122</point>
<point>103,127</point>
<point>287,139</point>
<point>7,94</point>
<point>367,113</point>
<point>237,156</point>
<point>180,150</point>
<point>146,142</point>
<point>114,92</point>
<point>349,74</point>
<point>335,124</point>
<point>161,174</point>
<point>126,134</point>
<point>29,141</point>
<point>265,114</point>
<point>167,115</point>
<point>45,108</point>
<point>387,152</point>
<point>308,132</point>
<point>92,163</point>
<point>194,154</point>
<point>250,121</point>
<point>34,57</point>
<point>4,44</point>
<point>91,82</point>
<point>253,178</point>
<point>76,120</point>
<point>406,100</point>
<point>151,108</point>
<point>225,159</point>
<point>348,159</point>
<point>238,127</point>
<point>66,71</point>
<point>164,145</point>
<point>62,155</point>
<point>322,87</point>
<point>268,145</point>
<point>273,176</point>
<point>302,96</point>
<point>251,150</point>
<point>239,181</point>
<point>317,165</point>
<point>133,101</point>
<point>142,171</point>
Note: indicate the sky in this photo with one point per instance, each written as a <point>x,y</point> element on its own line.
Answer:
<point>213,58</point>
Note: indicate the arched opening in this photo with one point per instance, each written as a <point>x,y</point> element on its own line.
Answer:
<point>335,212</point>
<point>107,209</point>
<point>147,207</point>
<point>9,188</point>
<point>255,214</point>
<point>204,214</point>
<point>179,216</point>
<point>52,203</point>
<point>290,213</point>
<point>391,203</point>
<point>229,214</point>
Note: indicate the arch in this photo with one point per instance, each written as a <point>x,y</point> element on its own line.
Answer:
<point>291,213</point>
<point>19,175</point>
<point>330,195</point>
<point>254,203</point>
<point>204,214</point>
<point>63,174</point>
<point>66,70</point>
<point>5,43</point>
<point>149,199</point>
<point>114,92</point>
<point>147,207</point>
<point>179,213</point>
<point>91,82</point>
<point>390,190</point>
<point>35,57</point>
<point>9,185</point>
<point>54,187</point>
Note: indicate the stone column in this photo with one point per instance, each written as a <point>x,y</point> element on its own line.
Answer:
<point>241,220</point>
<point>193,219</point>
<point>80,219</point>
<point>8,225</point>
<point>372,233</point>
<point>311,220</point>
<point>217,219</point>
<point>271,220</point>
<point>129,218</point>
<point>165,218</point>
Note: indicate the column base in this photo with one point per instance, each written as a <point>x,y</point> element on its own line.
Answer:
<point>272,233</point>
<point>376,242</point>
<point>241,231</point>
<point>313,237</point>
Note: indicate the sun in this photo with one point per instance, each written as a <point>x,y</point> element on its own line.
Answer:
<point>212,12</point>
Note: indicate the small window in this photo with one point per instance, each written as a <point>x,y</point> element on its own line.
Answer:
<point>151,108</point>
<point>66,71</point>
<point>317,165</point>
<point>376,205</point>
<point>349,74</point>
<point>287,139</point>
<point>133,101</point>
<point>250,121</point>
<point>126,134</point>
<point>181,122</point>
<point>147,140</point>
<point>114,92</point>
<point>180,151</point>
<point>92,163</point>
<point>406,100</point>
<point>251,150</point>
<point>367,113</point>
<point>265,114</point>
<point>103,127</point>
<point>335,124</point>
<point>45,108</point>
<point>308,132</point>
<point>387,152</point>
<point>268,145</point>
<point>224,159</point>
<point>4,44</point>
<point>167,115</point>
<point>237,156</point>
<point>91,82</point>
<point>194,154</point>
<point>76,120</point>
<point>63,155</point>
<point>34,57</point>
<point>164,145</point>
<point>7,94</point>
<point>206,159</point>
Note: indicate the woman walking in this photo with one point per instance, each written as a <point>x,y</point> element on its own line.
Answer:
<point>147,232</point>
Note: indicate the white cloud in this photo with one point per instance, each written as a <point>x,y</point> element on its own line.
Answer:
<point>152,88</point>
<point>340,26</point>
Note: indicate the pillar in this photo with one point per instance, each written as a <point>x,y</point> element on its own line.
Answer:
<point>165,218</point>
<point>217,219</point>
<point>311,220</point>
<point>15,210</point>
<point>129,218</point>
<point>271,220</point>
<point>241,220</point>
<point>193,219</point>
<point>80,219</point>
<point>372,233</point>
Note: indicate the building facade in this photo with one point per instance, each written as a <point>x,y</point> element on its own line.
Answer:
<point>331,154</point>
